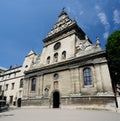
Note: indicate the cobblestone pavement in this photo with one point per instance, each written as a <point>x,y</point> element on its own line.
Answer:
<point>37,114</point>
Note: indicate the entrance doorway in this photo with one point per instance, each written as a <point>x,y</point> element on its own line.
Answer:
<point>56,99</point>
<point>11,100</point>
<point>19,102</point>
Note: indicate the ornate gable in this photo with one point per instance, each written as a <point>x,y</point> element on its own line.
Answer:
<point>63,22</point>
<point>61,26</point>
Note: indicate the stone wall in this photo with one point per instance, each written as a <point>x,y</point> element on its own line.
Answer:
<point>85,100</point>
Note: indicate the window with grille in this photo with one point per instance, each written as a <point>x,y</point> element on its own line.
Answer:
<point>87,76</point>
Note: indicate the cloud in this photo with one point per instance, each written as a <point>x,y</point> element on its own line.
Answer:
<point>97,7</point>
<point>71,11</point>
<point>82,12</point>
<point>106,34</point>
<point>68,8</point>
<point>104,21</point>
<point>116,17</point>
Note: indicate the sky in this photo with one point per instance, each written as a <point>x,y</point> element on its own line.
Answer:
<point>25,23</point>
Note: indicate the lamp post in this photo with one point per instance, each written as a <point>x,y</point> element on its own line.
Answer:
<point>2,95</point>
<point>116,89</point>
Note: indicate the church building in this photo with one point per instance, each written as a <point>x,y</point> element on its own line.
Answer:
<point>70,70</point>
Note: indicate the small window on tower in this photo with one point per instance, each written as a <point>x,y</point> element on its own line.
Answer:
<point>63,55</point>
<point>56,57</point>
<point>48,60</point>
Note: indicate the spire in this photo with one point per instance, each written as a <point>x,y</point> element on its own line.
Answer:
<point>97,42</point>
<point>63,15</point>
<point>63,12</point>
<point>31,53</point>
<point>62,23</point>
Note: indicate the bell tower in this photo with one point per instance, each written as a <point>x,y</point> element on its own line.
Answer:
<point>64,32</point>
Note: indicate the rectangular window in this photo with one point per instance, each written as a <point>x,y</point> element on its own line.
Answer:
<point>6,87</point>
<point>33,84</point>
<point>13,86</point>
<point>21,83</point>
<point>0,88</point>
<point>14,74</point>
<point>3,78</point>
<point>9,75</point>
<point>11,99</point>
<point>87,77</point>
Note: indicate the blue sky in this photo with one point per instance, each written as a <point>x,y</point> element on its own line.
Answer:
<point>25,23</point>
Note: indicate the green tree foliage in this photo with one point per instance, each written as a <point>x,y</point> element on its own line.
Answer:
<point>113,56</point>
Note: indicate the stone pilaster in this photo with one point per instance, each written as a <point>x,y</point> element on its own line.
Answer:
<point>98,78</point>
<point>75,79</point>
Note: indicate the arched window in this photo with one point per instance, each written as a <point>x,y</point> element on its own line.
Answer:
<point>56,57</point>
<point>48,59</point>
<point>46,92</point>
<point>87,76</point>
<point>21,83</point>
<point>33,84</point>
<point>63,55</point>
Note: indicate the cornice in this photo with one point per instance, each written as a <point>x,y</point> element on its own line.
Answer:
<point>56,35</point>
<point>68,64</point>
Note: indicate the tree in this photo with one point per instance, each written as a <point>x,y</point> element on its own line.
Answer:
<point>113,56</point>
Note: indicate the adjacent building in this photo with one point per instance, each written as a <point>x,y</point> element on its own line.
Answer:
<point>12,81</point>
<point>2,70</point>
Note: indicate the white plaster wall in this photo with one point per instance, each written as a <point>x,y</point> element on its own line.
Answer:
<point>67,44</point>
<point>13,78</point>
<point>27,62</point>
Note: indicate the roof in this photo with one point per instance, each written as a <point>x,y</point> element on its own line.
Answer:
<point>63,24</point>
<point>2,68</point>
<point>31,53</point>
<point>62,13</point>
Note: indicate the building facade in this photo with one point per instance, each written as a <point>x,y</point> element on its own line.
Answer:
<point>70,69</point>
<point>12,81</point>
<point>2,70</point>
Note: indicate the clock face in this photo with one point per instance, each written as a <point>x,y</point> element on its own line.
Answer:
<point>57,46</point>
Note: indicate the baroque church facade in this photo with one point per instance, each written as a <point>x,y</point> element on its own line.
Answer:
<point>70,69</point>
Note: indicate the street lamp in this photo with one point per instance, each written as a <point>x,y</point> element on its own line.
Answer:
<point>116,89</point>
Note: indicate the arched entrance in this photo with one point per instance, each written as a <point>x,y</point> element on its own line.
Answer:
<point>56,99</point>
<point>19,102</point>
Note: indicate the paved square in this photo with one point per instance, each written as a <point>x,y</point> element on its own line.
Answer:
<point>37,114</point>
